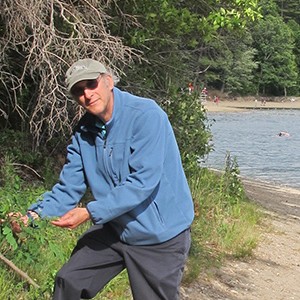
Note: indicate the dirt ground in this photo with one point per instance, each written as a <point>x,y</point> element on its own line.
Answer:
<point>274,270</point>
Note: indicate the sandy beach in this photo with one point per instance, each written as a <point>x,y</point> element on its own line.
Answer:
<point>248,103</point>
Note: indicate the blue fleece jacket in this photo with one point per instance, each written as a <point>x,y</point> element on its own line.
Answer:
<point>134,173</point>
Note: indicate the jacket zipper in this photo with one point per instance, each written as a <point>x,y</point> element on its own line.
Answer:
<point>107,163</point>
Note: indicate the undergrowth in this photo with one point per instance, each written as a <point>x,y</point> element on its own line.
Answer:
<point>225,225</point>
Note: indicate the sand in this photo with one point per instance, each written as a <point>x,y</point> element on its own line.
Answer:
<point>245,105</point>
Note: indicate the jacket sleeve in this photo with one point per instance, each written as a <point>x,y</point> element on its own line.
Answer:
<point>68,191</point>
<point>148,149</point>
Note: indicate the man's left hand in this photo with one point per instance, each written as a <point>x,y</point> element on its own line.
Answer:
<point>73,218</point>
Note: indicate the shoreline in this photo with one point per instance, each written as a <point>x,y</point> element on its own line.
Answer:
<point>281,199</point>
<point>246,105</point>
<point>272,271</point>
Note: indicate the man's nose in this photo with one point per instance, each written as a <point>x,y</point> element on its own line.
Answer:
<point>87,92</point>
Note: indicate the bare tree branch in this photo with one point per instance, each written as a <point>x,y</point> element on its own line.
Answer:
<point>47,37</point>
<point>31,169</point>
<point>18,271</point>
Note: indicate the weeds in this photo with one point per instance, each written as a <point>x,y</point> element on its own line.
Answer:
<point>225,224</point>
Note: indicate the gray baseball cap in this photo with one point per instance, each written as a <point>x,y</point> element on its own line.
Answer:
<point>83,69</point>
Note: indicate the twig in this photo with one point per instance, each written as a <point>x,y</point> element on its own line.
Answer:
<point>18,271</point>
<point>48,48</point>
<point>31,169</point>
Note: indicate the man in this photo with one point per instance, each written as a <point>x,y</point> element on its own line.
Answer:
<point>125,151</point>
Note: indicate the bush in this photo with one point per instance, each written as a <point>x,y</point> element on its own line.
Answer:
<point>189,120</point>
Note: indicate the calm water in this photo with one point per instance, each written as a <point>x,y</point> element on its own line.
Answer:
<point>252,138</point>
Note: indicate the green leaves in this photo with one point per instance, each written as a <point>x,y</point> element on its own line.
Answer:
<point>9,237</point>
<point>189,121</point>
<point>274,42</point>
<point>233,14</point>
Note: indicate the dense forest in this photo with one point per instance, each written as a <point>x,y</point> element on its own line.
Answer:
<point>157,47</point>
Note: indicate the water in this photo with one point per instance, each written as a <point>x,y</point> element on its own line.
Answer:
<point>252,138</point>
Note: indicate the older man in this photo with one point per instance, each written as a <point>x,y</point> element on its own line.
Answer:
<point>125,151</point>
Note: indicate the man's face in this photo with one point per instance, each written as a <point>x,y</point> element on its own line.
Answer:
<point>96,96</point>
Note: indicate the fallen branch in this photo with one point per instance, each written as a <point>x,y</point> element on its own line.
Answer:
<point>18,271</point>
<point>31,169</point>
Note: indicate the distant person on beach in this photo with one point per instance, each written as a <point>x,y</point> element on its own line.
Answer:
<point>216,100</point>
<point>204,91</point>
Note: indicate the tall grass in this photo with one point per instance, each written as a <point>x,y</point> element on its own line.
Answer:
<point>225,225</point>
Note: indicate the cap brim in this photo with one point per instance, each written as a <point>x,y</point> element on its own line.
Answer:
<point>81,77</point>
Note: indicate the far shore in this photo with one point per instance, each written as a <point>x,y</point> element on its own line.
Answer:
<point>246,105</point>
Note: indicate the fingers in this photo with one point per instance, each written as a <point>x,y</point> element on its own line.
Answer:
<point>14,215</point>
<point>15,220</point>
<point>62,223</point>
<point>70,220</point>
<point>66,220</point>
<point>73,218</point>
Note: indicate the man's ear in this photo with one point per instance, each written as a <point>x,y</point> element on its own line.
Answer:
<point>109,82</point>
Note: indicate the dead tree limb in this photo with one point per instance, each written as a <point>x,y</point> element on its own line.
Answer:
<point>31,169</point>
<point>18,271</point>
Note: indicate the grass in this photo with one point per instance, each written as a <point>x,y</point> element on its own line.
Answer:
<point>226,224</point>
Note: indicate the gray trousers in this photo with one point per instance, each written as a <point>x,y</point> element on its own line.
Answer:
<point>154,271</point>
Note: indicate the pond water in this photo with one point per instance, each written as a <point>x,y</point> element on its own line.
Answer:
<point>252,137</point>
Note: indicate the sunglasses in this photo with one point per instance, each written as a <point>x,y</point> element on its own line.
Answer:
<point>91,84</point>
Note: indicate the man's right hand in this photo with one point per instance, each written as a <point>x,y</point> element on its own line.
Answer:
<point>16,219</point>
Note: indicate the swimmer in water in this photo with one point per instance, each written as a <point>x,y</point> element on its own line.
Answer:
<point>283,133</point>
